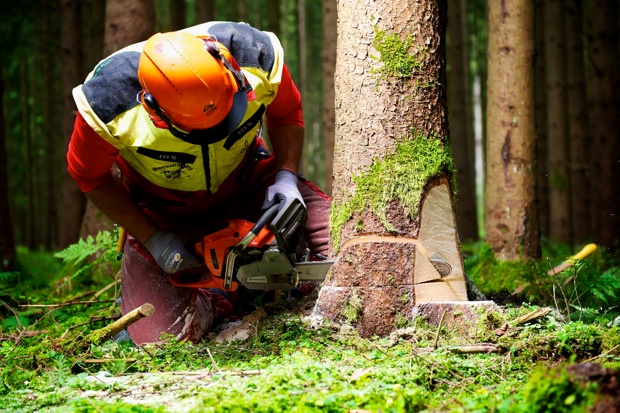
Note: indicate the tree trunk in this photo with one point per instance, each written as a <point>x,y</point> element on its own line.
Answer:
<point>557,130</point>
<point>460,110</point>
<point>302,83</point>
<point>72,201</point>
<point>512,218</point>
<point>393,230</point>
<point>274,17</point>
<point>540,117</point>
<point>26,135</point>
<point>329,64</point>
<point>577,125</point>
<point>132,21</point>
<point>50,215</point>
<point>126,22</point>
<point>604,105</point>
<point>7,245</point>
<point>205,11</point>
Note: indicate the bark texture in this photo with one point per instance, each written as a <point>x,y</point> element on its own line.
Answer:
<point>329,65</point>
<point>512,220</point>
<point>460,116</point>
<point>540,117</point>
<point>72,201</point>
<point>7,245</point>
<point>560,228</point>
<point>394,244</point>
<point>129,21</point>
<point>604,105</point>
<point>126,22</point>
<point>579,166</point>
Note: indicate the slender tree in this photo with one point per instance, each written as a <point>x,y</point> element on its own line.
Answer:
<point>540,118</point>
<point>72,201</point>
<point>512,218</point>
<point>7,244</point>
<point>274,17</point>
<point>126,22</point>
<point>329,63</point>
<point>604,106</point>
<point>392,223</point>
<point>579,166</point>
<point>460,117</point>
<point>560,220</point>
<point>205,10</point>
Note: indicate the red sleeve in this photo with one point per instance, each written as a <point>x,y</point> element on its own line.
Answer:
<point>286,107</point>
<point>89,157</point>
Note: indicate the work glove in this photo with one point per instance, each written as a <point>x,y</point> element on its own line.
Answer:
<point>283,191</point>
<point>170,252</point>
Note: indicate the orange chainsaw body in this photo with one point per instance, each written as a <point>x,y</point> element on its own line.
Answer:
<point>214,248</point>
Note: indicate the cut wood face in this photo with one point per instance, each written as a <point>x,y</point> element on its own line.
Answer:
<point>382,278</point>
<point>440,246</point>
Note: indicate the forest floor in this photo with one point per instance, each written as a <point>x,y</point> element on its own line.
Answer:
<point>517,357</point>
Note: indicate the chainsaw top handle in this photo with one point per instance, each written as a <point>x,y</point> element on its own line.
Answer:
<point>265,219</point>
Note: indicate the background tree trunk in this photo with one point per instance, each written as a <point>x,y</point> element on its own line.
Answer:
<point>72,201</point>
<point>132,21</point>
<point>274,17</point>
<point>560,220</point>
<point>460,117</point>
<point>604,106</point>
<point>577,125</point>
<point>512,218</point>
<point>205,11</point>
<point>7,245</point>
<point>392,225</point>
<point>126,22</point>
<point>329,64</point>
<point>540,117</point>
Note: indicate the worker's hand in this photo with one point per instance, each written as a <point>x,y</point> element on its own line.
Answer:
<point>170,252</point>
<point>283,191</point>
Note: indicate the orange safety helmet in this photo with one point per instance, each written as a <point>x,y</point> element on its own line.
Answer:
<point>187,80</point>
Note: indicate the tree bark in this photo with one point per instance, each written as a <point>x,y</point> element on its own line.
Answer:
<point>577,124</point>
<point>540,118</point>
<point>72,201</point>
<point>126,22</point>
<point>329,63</point>
<point>7,245</point>
<point>274,17</point>
<point>393,229</point>
<point>132,21</point>
<point>460,117</point>
<point>604,105</point>
<point>205,11</point>
<point>560,228</point>
<point>512,218</point>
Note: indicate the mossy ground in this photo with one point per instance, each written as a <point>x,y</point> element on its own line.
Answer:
<point>290,366</point>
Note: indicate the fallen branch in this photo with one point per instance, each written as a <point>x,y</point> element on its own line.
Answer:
<point>63,304</point>
<point>103,361</point>
<point>107,287</point>
<point>476,349</point>
<point>541,312</point>
<point>105,333</point>
<point>602,354</point>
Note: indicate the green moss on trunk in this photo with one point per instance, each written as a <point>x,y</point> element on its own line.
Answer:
<point>401,177</point>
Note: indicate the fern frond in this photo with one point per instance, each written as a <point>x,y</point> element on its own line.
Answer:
<point>7,277</point>
<point>76,253</point>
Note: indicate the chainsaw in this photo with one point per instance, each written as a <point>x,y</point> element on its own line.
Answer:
<point>265,255</point>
